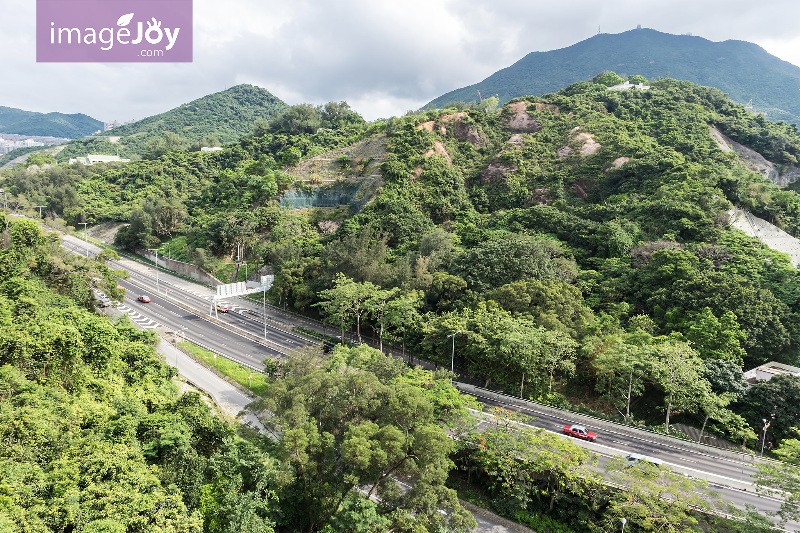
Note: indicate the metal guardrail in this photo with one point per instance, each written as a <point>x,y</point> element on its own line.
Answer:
<point>583,419</point>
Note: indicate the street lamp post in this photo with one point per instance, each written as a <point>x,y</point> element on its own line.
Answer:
<point>40,209</point>
<point>624,521</point>
<point>155,250</point>
<point>265,314</point>
<point>84,237</point>
<point>741,474</point>
<point>453,353</point>
<point>764,437</point>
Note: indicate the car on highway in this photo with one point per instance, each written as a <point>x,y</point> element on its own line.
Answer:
<point>580,432</point>
<point>221,307</point>
<point>105,301</point>
<point>635,458</point>
<point>145,299</point>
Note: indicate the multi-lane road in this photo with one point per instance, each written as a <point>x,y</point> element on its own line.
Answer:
<point>242,335</point>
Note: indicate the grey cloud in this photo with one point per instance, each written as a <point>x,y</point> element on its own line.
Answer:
<point>376,55</point>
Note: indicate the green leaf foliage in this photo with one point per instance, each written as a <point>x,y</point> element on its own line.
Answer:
<point>93,434</point>
<point>564,240</point>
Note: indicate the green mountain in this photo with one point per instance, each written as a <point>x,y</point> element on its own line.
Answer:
<point>574,248</point>
<point>743,70</point>
<point>21,122</point>
<point>214,119</point>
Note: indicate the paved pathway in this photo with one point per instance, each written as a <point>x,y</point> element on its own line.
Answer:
<point>230,400</point>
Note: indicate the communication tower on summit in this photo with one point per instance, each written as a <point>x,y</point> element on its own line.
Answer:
<point>752,109</point>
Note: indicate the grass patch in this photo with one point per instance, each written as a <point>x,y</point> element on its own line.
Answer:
<point>223,271</point>
<point>244,273</point>
<point>177,249</point>
<point>235,371</point>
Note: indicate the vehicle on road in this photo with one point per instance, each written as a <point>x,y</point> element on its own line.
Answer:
<point>102,299</point>
<point>635,458</point>
<point>580,432</point>
<point>145,299</point>
<point>221,307</point>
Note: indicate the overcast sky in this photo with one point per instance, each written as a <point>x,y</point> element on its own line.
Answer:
<point>383,57</point>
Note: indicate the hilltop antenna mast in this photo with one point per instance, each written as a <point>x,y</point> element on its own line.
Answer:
<point>750,107</point>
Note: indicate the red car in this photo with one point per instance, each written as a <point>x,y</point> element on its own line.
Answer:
<point>580,432</point>
<point>144,298</point>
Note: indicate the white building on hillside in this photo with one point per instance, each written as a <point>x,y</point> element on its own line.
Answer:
<point>91,159</point>
<point>628,85</point>
<point>768,371</point>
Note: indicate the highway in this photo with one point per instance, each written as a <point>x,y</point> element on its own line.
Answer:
<point>185,307</point>
<point>181,305</point>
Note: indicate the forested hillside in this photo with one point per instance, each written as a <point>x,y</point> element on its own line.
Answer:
<point>95,437</point>
<point>573,248</point>
<point>743,70</point>
<point>221,117</point>
<point>561,235</point>
<point>21,122</point>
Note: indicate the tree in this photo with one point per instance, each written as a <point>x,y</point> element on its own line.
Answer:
<point>341,431</point>
<point>450,406</point>
<point>347,301</point>
<point>522,462</point>
<point>402,315</point>
<point>488,105</point>
<point>301,118</point>
<point>783,477</point>
<point>725,377</point>
<point>291,156</point>
<point>677,369</point>
<point>717,338</point>
<point>552,303</point>
<point>357,513</point>
<point>779,396</point>
<point>157,147</point>
<point>557,355</point>
<point>139,233</point>
<point>713,406</point>
<point>378,308</point>
<point>621,369</point>
<point>608,78</point>
<point>339,114</point>
<point>242,490</point>
<point>360,255</point>
<point>656,499</point>
<point>500,261</point>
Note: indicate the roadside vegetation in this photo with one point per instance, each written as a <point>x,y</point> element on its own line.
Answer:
<point>573,249</point>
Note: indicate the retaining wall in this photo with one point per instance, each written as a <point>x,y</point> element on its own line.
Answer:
<point>185,269</point>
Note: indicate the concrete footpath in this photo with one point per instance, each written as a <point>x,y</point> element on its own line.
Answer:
<point>226,396</point>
